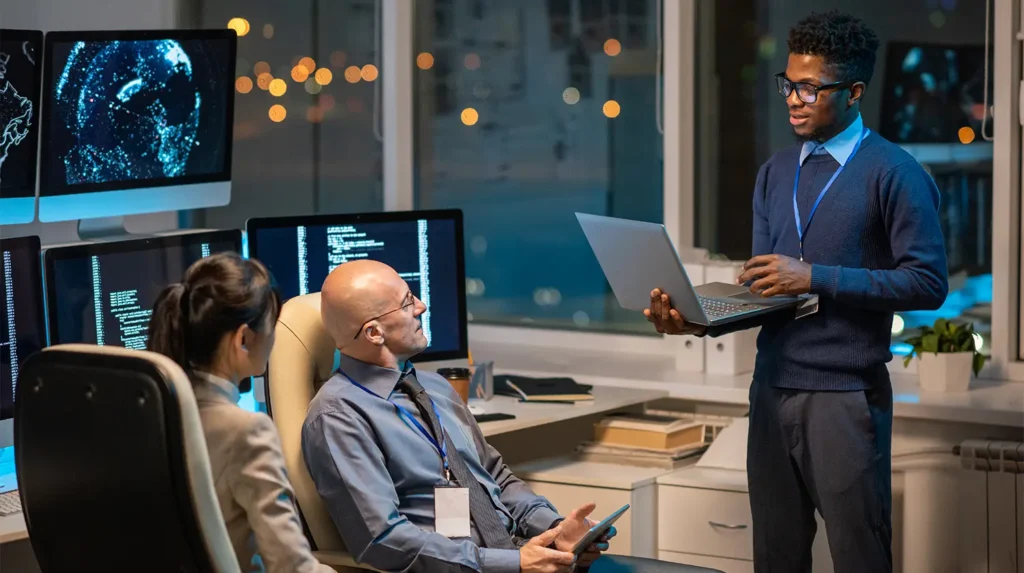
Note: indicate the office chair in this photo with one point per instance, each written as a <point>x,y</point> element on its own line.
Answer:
<point>112,465</point>
<point>301,361</point>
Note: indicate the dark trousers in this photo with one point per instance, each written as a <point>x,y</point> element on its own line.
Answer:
<point>830,451</point>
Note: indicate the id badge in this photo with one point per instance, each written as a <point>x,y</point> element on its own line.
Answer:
<point>808,306</point>
<point>451,511</point>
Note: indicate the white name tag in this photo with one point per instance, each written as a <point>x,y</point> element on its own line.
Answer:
<point>451,511</point>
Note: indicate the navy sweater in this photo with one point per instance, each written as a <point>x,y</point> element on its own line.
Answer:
<point>875,246</point>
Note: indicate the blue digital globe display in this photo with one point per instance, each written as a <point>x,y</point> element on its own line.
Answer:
<point>130,112</point>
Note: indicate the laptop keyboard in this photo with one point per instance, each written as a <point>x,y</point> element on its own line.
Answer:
<point>10,503</point>
<point>715,308</point>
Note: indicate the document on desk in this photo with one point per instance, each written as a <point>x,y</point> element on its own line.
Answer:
<point>729,450</point>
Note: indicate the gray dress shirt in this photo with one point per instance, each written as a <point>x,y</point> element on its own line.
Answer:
<point>253,490</point>
<point>376,474</point>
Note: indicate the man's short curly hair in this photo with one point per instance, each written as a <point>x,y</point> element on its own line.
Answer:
<point>844,41</point>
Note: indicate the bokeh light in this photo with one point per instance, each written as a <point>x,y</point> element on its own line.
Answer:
<point>312,87</point>
<point>239,25</point>
<point>612,47</point>
<point>263,81</point>
<point>243,84</point>
<point>278,87</point>
<point>261,68</point>
<point>353,74</point>
<point>268,31</point>
<point>611,108</point>
<point>966,135</point>
<point>300,74</point>
<point>472,61</point>
<point>369,72</point>
<point>470,116</point>
<point>308,63</point>
<point>324,76</point>
<point>425,61</point>
<point>277,113</point>
<point>571,96</point>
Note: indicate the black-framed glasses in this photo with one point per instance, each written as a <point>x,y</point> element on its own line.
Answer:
<point>410,300</point>
<point>808,93</point>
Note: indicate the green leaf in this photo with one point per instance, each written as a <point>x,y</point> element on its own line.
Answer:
<point>907,359</point>
<point>941,326</point>
<point>967,345</point>
<point>979,361</point>
<point>930,343</point>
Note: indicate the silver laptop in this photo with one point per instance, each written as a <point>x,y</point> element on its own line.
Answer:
<point>638,257</point>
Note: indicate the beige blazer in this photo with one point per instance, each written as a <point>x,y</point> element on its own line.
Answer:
<point>253,490</point>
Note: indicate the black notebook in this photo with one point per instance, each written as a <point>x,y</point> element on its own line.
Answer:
<point>541,389</point>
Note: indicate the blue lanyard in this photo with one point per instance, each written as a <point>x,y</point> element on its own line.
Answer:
<point>440,446</point>
<point>796,183</point>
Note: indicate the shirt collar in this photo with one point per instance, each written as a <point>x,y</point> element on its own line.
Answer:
<point>377,379</point>
<point>839,147</point>
<point>222,384</point>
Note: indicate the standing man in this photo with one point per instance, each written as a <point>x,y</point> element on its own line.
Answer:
<point>852,218</point>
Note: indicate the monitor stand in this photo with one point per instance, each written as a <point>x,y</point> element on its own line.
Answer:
<point>103,229</point>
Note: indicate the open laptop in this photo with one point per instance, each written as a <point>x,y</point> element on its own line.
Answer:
<point>637,257</point>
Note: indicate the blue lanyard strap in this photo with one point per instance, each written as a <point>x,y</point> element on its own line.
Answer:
<point>441,446</point>
<point>800,230</point>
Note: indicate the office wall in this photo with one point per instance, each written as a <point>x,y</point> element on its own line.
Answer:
<point>52,15</point>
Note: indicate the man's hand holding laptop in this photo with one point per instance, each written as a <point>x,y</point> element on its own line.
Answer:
<point>666,319</point>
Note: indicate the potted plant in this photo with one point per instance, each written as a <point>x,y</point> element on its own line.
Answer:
<point>946,356</point>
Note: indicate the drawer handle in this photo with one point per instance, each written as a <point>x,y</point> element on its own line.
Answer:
<point>726,525</point>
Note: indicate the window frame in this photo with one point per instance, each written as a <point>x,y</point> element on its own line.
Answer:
<point>681,130</point>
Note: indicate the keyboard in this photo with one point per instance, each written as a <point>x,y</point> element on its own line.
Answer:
<point>715,308</point>
<point>10,503</point>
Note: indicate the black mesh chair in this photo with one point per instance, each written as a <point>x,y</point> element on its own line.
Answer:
<point>112,465</point>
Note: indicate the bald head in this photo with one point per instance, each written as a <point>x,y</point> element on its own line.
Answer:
<point>354,293</point>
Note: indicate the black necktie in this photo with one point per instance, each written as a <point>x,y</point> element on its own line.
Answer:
<point>481,511</point>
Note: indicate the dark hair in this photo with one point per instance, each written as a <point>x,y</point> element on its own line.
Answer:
<point>219,294</point>
<point>844,41</point>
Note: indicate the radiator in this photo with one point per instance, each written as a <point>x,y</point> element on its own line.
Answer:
<point>993,527</point>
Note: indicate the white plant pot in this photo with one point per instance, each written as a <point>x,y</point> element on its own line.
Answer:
<point>947,372</point>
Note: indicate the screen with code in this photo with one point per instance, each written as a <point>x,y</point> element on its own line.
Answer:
<point>104,294</point>
<point>425,248</point>
<point>22,328</point>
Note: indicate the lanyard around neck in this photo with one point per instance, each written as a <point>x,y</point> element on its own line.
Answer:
<point>800,229</point>
<point>438,442</point>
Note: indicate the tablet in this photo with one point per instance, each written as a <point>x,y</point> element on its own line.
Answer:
<point>598,530</point>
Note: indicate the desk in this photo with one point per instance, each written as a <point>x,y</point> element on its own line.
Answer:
<point>927,480</point>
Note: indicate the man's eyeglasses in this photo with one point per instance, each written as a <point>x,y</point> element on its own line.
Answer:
<point>409,301</point>
<point>808,93</point>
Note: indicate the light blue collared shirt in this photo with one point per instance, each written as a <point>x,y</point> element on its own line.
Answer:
<point>839,147</point>
<point>376,474</point>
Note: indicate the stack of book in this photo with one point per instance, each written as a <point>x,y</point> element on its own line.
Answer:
<point>660,440</point>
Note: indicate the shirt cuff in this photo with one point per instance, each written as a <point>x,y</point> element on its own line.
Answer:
<point>824,279</point>
<point>540,520</point>
<point>499,560</point>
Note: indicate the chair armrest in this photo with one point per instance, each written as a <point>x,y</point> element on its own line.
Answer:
<point>340,562</point>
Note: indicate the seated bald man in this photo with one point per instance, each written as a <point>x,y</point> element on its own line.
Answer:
<point>395,454</point>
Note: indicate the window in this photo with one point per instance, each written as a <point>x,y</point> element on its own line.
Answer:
<point>528,111</point>
<point>306,108</point>
<point>926,95</point>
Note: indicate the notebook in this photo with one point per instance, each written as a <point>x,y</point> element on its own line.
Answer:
<point>541,389</point>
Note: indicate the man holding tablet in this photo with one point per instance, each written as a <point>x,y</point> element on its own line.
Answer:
<point>852,218</point>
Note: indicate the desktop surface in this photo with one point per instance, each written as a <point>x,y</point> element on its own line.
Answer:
<point>424,247</point>
<point>20,72</point>
<point>104,293</point>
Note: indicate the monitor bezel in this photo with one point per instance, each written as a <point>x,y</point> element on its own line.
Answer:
<point>52,255</point>
<point>254,225</point>
<point>32,244</point>
<point>47,178</point>
<point>22,209</point>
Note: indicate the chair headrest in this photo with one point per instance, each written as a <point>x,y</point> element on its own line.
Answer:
<point>300,317</point>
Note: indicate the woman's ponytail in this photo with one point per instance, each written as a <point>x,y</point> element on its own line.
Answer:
<point>168,323</point>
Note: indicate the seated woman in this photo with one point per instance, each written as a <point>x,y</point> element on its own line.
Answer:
<point>218,325</point>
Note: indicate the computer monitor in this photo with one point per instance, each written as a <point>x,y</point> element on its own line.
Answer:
<point>136,122</point>
<point>103,293</point>
<point>425,247</point>
<point>21,64</point>
<point>930,91</point>
<point>22,326</point>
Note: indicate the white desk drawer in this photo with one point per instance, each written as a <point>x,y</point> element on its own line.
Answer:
<point>704,521</point>
<point>568,497</point>
<point>720,563</point>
